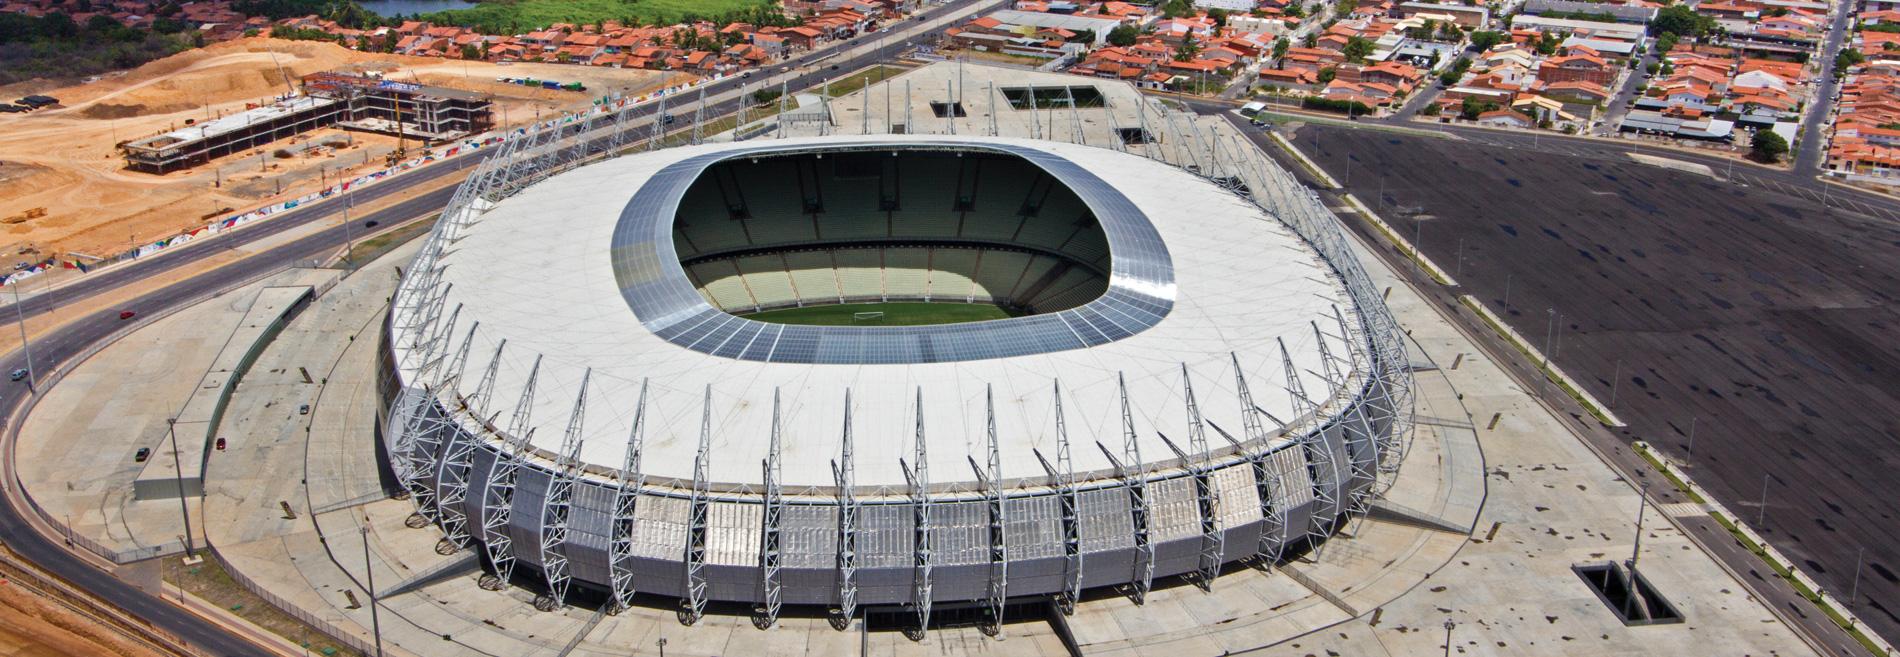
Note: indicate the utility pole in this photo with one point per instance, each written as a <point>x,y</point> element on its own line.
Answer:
<point>1448,626</point>
<point>1614,378</point>
<point>1550,328</point>
<point>369,573</point>
<point>178,469</point>
<point>32,377</point>
<point>1691,455</point>
<point>1629,586</point>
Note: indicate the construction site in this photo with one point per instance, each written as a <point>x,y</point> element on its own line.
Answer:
<point>408,111</point>
<point>80,198</point>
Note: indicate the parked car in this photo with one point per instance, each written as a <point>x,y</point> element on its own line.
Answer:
<point>127,314</point>
<point>14,109</point>
<point>141,455</point>
<point>303,410</point>
<point>220,444</point>
<point>18,374</point>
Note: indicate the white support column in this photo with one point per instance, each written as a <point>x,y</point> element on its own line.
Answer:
<point>693,607</point>
<point>498,497</point>
<point>557,505</point>
<point>770,588</point>
<point>628,482</point>
<point>844,473</point>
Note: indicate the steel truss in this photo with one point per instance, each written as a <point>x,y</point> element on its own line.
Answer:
<point>1268,484</point>
<point>917,476</point>
<point>844,473</point>
<point>452,479</point>
<point>627,484</point>
<point>1320,465</point>
<point>997,590</point>
<point>770,588</point>
<point>693,607</point>
<point>498,497</point>
<point>1362,473</point>
<point>557,505</point>
<point>1062,478</point>
<point>1198,461</point>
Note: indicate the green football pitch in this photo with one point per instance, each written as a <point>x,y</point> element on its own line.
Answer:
<point>895,314</point>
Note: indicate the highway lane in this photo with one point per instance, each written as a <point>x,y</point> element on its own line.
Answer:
<point>58,345</point>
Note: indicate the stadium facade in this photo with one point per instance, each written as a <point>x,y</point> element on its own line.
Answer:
<point>1198,371</point>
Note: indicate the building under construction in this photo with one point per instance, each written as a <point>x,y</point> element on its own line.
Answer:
<point>428,114</point>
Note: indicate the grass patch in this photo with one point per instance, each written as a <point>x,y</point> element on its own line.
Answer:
<point>856,80</point>
<point>895,314</point>
<point>1788,576</point>
<point>368,250</point>
<point>515,16</point>
<point>1410,251</point>
<point>210,582</point>
<point>1542,365</point>
<point>1671,475</point>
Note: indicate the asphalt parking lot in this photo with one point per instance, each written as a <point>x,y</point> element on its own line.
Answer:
<point>1763,318</point>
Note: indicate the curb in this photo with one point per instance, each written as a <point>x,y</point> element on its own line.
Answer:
<point>1575,390</point>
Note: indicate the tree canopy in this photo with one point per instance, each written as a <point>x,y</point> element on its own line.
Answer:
<point>1768,146</point>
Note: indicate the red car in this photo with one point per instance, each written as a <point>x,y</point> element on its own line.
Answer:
<point>127,314</point>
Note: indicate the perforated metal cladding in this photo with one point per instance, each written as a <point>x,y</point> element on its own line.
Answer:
<point>647,269</point>
<point>524,522</point>
<point>660,525</point>
<point>732,533</point>
<point>1106,520</point>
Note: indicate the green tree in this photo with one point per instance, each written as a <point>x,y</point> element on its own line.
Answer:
<point>1189,48</point>
<point>1680,20</point>
<point>1767,146</point>
<point>1484,39</point>
<point>1280,46</point>
<point>1327,74</point>
<point>1848,59</point>
<point>1123,35</point>
<point>1177,9</point>
<point>469,51</point>
<point>1219,16</point>
<point>1473,107</point>
<point>1357,48</point>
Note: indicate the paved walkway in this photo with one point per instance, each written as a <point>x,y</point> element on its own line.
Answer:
<point>76,454</point>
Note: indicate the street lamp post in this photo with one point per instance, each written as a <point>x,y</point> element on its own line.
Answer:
<point>19,311</point>
<point>178,469</point>
<point>369,573</point>
<point>1448,626</point>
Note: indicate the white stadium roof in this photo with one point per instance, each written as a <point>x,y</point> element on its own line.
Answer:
<point>537,270</point>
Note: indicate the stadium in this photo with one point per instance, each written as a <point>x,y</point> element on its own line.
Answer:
<point>885,374</point>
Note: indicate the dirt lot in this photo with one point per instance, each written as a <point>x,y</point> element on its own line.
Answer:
<point>32,626</point>
<point>65,159</point>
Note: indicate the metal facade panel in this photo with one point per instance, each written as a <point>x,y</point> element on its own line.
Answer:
<point>884,536</point>
<point>1173,512</point>
<point>808,536</point>
<point>1035,528</point>
<point>660,525</point>
<point>1238,503</point>
<point>1296,485</point>
<point>524,522</point>
<point>1106,521</point>
<point>962,533</point>
<point>732,533</point>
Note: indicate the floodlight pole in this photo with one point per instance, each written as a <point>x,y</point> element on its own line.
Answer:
<point>1854,593</point>
<point>1761,514</point>
<point>375,621</point>
<point>178,469</point>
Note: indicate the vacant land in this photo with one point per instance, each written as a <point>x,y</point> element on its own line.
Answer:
<point>895,314</point>
<point>1765,321</point>
<point>94,206</point>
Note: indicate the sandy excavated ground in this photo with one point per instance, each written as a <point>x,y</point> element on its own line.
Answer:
<point>65,159</point>
<point>32,626</point>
